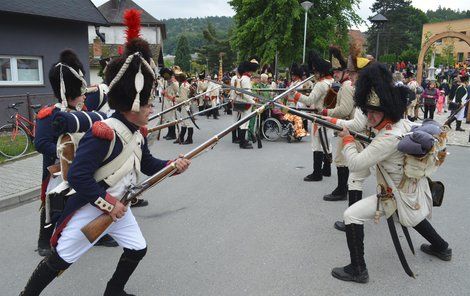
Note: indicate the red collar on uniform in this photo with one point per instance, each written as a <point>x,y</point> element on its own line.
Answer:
<point>386,123</point>
<point>247,74</point>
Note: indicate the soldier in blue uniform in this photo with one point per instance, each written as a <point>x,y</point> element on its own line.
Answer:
<point>67,82</point>
<point>106,162</point>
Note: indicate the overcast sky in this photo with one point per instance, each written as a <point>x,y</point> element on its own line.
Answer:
<point>164,9</point>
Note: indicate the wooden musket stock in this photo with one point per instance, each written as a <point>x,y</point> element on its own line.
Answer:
<point>98,226</point>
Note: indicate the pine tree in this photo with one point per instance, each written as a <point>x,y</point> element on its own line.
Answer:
<point>182,54</point>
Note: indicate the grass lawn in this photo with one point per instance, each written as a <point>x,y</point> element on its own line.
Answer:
<point>14,147</point>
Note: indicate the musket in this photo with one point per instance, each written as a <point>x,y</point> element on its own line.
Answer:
<point>454,113</point>
<point>177,105</point>
<point>94,229</point>
<point>163,105</point>
<point>174,122</point>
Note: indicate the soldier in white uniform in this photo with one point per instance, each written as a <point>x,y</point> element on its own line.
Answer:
<point>184,88</point>
<point>201,87</point>
<point>243,103</point>
<point>344,109</point>
<point>384,105</point>
<point>169,96</point>
<point>322,69</point>
<point>213,98</point>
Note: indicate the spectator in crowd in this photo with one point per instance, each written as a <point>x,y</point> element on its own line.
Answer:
<point>430,96</point>
<point>440,102</point>
<point>446,88</point>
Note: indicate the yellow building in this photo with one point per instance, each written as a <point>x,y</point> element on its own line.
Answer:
<point>461,50</point>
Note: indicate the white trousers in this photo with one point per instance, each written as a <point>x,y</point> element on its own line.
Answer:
<point>362,211</point>
<point>241,115</point>
<point>316,144</point>
<point>73,244</point>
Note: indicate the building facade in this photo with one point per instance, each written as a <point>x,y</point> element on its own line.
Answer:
<point>152,30</point>
<point>461,50</point>
<point>33,35</point>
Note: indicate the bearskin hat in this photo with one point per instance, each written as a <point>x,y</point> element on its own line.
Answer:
<point>179,74</point>
<point>121,96</point>
<point>248,66</point>
<point>166,73</point>
<point>318,65</point>
<point>336,58</point>
<point>74,86</point>
<point>375,90</point>
<point>202,75</point>
<point>295,70</point>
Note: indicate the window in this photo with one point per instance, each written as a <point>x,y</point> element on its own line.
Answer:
<point>21,70</point>
<point>460,57</point>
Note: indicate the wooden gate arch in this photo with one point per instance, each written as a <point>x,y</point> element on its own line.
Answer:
<point>431,41</point>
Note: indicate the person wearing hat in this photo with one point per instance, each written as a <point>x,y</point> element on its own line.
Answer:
<point>413,85</point>
<point>296,78</point>
<point>213,98</point>
<point>245,70</point>
<point>323,72</point>
<point>384,104</point>
<point>344,109</point>
<point>461,97</point>
<point>184,89</point>
<point>201,87</point>
<point>113,150</point>
<point>69,86</point>
<point>170,92</point>
<point>355,64</point>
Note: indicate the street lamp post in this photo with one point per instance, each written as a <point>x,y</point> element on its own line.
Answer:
<point>379,20</point>
<point>306,6</point>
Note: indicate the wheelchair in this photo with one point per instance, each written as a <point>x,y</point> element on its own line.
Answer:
<point>274,127</point>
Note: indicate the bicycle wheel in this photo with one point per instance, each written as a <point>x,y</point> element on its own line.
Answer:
<point>13,141</point>
<point>271,129</point>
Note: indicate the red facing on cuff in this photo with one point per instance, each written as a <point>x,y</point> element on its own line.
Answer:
<point>324,112</point>
<point>333,120</point>
<point>111,199</point>
<point>297,97</point>
<point>347,140</point>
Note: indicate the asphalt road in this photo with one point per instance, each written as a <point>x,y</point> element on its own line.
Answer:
<point>242,222</point>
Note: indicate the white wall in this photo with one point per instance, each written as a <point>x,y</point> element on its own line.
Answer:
<point>116,34</point>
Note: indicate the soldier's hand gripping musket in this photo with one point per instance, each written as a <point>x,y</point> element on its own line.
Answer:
<point>96,227</point>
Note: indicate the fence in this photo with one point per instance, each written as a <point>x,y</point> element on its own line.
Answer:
<point>28,99</point>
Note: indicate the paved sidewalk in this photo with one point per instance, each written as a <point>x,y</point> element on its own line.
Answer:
<point>20,181</point>
<point>454,137</point>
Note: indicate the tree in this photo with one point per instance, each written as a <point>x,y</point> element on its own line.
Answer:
<point>182,54</point>
<point>403,29</point>
<point>446,14</point>
<point>209,53</point>
<point>264,27</point>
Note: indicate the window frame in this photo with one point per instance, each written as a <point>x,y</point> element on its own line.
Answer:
<point>14,71</point>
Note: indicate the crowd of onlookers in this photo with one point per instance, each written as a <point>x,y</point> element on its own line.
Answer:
<point>445,92</point>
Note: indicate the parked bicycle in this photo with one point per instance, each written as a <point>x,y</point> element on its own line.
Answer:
<point>18,133</point>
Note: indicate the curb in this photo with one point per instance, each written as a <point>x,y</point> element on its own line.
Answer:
<point>14,200</point>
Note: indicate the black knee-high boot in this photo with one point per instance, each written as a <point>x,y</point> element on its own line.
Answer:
<point>180,138</point>
<point>326,169</point>
<point>189,140</point>
<point>171,133</point>
<point>353,197</point>
<point>45,234</point>
<point>235,134</point>
<point>458,126</point>
<point>244,144</point>
<point>357,270</point>
<point>316,175</point>
<point>438,247</point>
<point>126,266</point>
<point>341,191</point>
<point>46,271</point>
